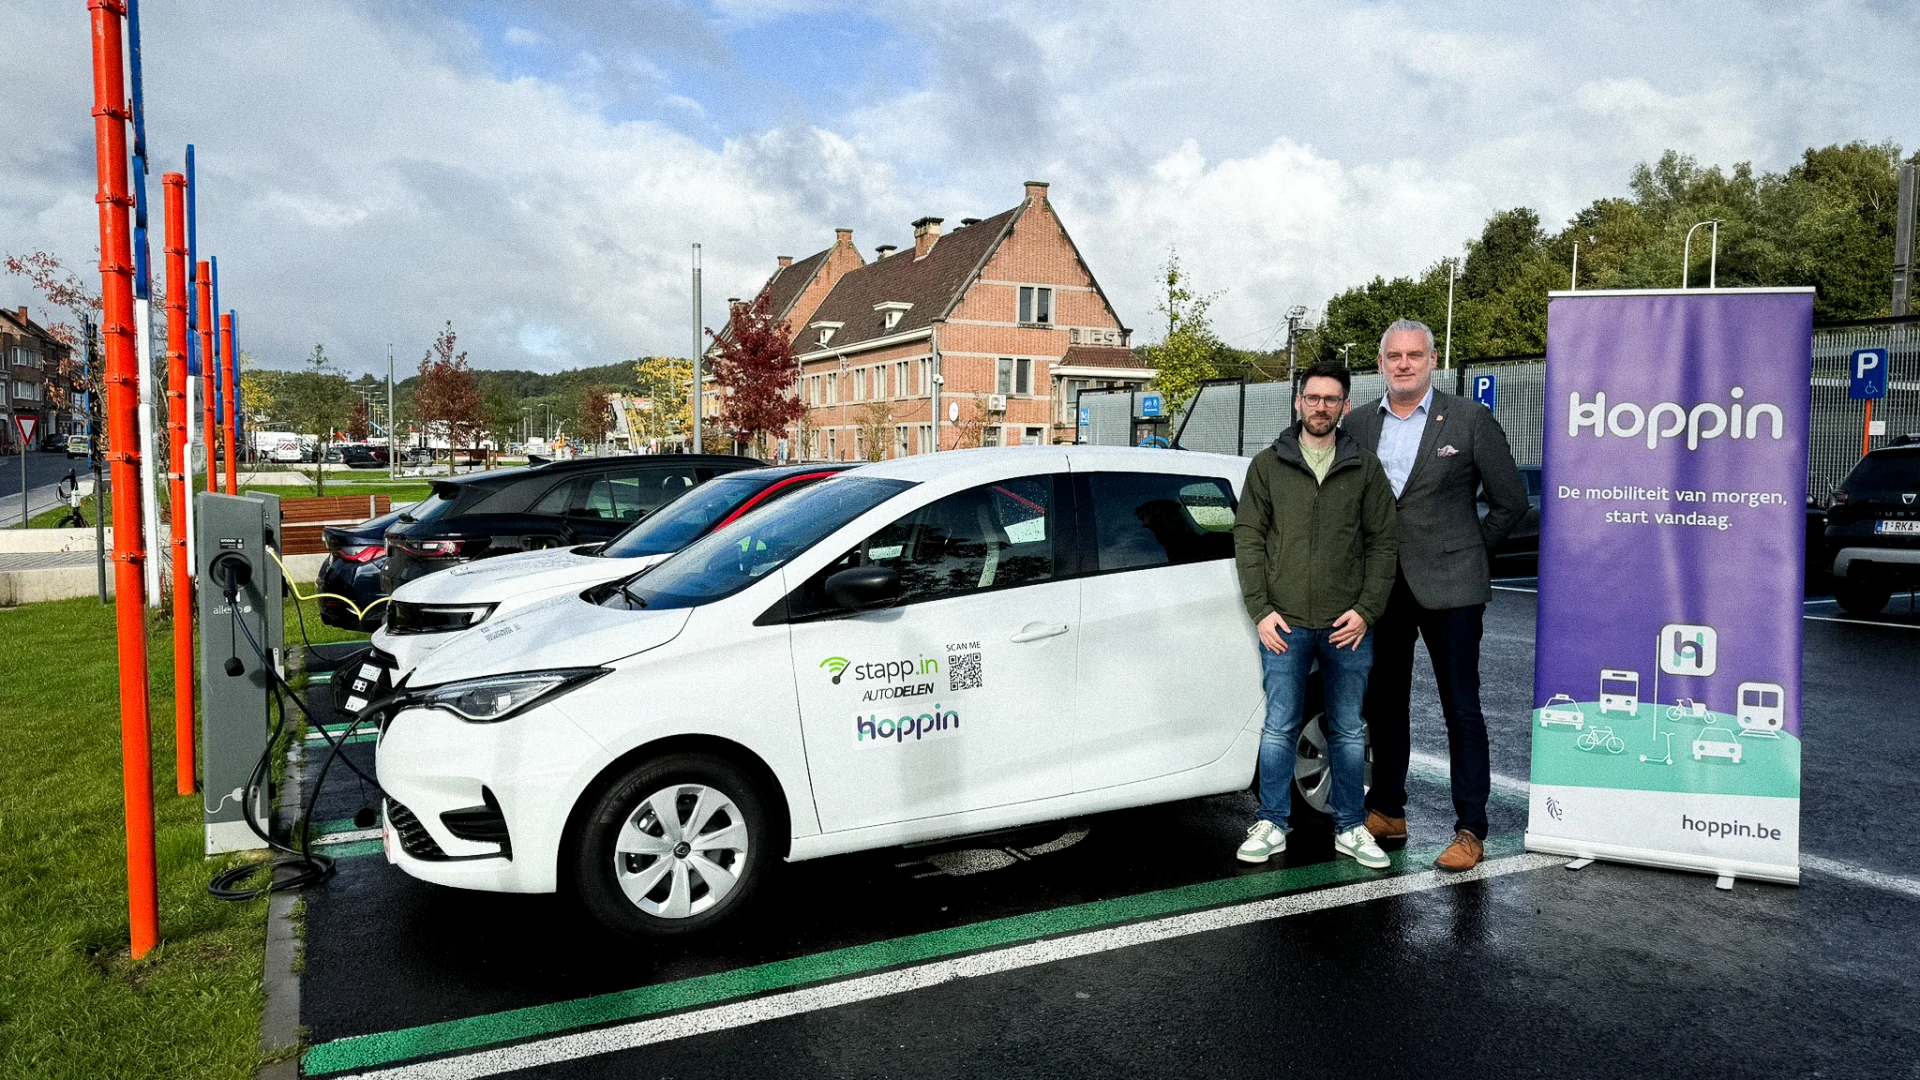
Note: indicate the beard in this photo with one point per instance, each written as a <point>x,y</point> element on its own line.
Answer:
<point>1318,424</point>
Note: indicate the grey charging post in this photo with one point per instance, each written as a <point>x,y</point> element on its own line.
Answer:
<point>232,534</point>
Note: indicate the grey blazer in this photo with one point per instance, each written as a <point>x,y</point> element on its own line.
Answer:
<point>1443,541</point>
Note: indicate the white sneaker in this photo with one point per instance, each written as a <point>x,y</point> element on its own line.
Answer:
<point>1264,841</point>
<point>1358,844</point>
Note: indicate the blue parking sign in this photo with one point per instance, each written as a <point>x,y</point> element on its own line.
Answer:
<point>1483,390</point>
<point>1150,405</point>
<point>1086,415</point>
<point>1869,375</point>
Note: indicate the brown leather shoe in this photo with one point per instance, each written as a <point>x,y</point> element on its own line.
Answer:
<point>1463,854</point>
<point>1386,828</point>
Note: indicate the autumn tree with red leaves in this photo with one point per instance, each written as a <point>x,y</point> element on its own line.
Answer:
<point>754,366</point>
<point>358,424</point>
<point>448,396</point>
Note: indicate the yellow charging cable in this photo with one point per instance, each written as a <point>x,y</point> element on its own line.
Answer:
<point>358,611</point>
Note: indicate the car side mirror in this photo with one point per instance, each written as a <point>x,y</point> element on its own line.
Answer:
<point>864,587</point>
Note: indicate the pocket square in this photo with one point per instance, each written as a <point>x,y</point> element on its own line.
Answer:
<point>1445,451</point>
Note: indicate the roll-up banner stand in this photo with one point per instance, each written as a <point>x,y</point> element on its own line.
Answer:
<point>1666,721</point>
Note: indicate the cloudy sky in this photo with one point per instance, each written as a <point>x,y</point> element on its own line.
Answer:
<point>536,170</point>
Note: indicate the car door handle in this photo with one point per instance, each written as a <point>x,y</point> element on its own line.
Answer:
<point>1036,631</point>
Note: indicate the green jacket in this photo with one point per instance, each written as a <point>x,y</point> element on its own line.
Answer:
<point>1311,550</point>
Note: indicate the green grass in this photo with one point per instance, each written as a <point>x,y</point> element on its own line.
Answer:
<point>401,492</point>
<point>72,1001</point>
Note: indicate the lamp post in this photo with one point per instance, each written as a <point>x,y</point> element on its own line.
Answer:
<point>1686,253</point>
<point>393,430</point>
<point>1344,348</point>
<point>1453,275</point>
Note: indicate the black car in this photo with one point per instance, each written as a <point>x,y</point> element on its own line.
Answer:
<point>350,574</point>
<point>1521,548</point>
<point>1873,528</point>
<point>561,503</point>
<point>362,456</point>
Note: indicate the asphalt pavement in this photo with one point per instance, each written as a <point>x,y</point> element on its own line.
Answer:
<point>1133,944</point>
<point>44,473</point>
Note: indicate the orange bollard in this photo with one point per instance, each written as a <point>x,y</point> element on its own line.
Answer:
<point>116,296</point>
<point>208,377</point>
<point>232,431</point>
<point>177,480</point>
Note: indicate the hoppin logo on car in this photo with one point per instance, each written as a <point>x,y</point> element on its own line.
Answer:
<point>897,678</point>
<point>873,728</point>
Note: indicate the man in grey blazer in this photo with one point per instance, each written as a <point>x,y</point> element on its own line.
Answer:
<point>1439,451</point>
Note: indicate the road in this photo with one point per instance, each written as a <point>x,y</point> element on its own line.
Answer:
<point>43,472</point>
<point>1131,944</point>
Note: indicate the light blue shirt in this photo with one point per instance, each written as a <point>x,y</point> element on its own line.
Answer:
<point>1400,440</point>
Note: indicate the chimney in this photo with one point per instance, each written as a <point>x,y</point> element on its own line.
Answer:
<point>1036,191</point>
<point>885,250</point>
<point>843,237</point>
<point>734,306</point>
<point>966,221</point>
<point>926,233</point>
<point>23,315</point>
<point>784,260</point>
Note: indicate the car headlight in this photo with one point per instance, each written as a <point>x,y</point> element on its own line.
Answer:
<point>409,618</point>
<point>497,697</point>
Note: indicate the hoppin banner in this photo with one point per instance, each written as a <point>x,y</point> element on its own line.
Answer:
<point>1666,721</point>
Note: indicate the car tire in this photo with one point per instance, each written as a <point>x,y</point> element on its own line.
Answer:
<point>1860,599</point>
<point>664,886</point>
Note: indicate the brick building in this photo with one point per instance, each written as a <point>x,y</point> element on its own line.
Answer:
<point>996,324</point>
<point>32,366</point>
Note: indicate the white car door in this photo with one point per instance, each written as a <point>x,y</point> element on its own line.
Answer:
<point>960,697</point>
<point>1168,675</point>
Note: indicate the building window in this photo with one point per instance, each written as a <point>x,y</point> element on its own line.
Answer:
<point>833,445</point>
<point>859,384</point>
<point>1036,305</point>
<point>990,435</point>
<point>926,376</point>
<point>1036,436</point>
<point>926,438</point>
<point>1014,377</point>
<point>900,441</point>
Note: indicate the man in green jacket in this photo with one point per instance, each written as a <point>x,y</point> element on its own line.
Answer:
<point>1315,540</point>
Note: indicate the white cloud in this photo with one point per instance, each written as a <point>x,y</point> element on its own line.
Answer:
<point>368,172</point>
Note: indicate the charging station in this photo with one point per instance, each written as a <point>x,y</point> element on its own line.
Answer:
<point>238,586</point>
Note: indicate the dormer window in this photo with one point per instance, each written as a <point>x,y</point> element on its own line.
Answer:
<point>826,330</point>
<point>891,311</point>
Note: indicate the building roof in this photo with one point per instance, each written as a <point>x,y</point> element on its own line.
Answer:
<point>931,284</point>
<point>1107,356</point>
<point>17,321</point>
<point>788,282</point>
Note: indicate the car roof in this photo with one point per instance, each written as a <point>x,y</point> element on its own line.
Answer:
<point>561,468</point>
<point>923,467</point>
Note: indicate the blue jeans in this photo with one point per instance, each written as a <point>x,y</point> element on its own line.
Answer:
<point>1343,676</point>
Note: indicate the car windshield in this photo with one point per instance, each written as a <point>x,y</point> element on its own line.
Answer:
<point>683,520</point>
<point>1885,472</point>
<point>437,505</point>
<point>724,562</point>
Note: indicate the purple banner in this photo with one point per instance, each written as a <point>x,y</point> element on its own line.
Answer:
<point>1666,724</point>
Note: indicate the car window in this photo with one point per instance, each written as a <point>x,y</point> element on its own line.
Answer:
<point>1884,472</point>
<point>658,487</point>
<point>1160,519</point>
<point>440,504</point>
<point>995,536</point>
<point>555,501</point>
<point>727,560</point>
<point>685,519</point>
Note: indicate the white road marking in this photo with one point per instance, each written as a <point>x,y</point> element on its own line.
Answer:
<point>575,1046</point>
<point>1863,622</point>
<point>1859,875</point>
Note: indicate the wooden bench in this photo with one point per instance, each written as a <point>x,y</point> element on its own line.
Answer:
<point>301,520</point>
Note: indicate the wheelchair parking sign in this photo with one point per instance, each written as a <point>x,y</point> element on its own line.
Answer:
<point>1483,390</point>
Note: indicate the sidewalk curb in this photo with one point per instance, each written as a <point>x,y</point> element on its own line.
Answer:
<point>279,982</point>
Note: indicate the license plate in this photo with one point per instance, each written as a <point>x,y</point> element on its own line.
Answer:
<point>1897,527</point>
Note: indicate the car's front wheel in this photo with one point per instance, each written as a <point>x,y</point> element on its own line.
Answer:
<point>1859,599</point>
<point>676,845</point>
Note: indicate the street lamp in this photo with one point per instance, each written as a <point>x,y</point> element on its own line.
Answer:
<point>1344,348</point>
<point>1686,253</point>
<point>1453,274</point>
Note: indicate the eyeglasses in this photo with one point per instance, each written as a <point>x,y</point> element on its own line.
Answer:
<point>1322,402</point>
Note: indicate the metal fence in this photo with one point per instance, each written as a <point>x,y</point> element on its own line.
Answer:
<point>1240,418</point>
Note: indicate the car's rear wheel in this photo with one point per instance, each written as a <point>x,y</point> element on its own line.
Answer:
<point>676,845</point>
<point>1858,598</point>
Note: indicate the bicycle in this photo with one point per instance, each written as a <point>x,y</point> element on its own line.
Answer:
<point>1601,738</point>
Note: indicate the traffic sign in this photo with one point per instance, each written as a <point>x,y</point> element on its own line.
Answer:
<point>26,425</point>
<point>1869,375</point>
<point>1086,415</point>
<point>1483,390</point>
<point>1150,405</point>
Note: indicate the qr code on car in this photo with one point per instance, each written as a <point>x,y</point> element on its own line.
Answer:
<point>963,671</point>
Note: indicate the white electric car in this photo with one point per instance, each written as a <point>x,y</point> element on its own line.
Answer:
<point>430,611</point>
<point>926,647</point>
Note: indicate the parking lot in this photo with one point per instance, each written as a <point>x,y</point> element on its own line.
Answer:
<point>1132,943</point>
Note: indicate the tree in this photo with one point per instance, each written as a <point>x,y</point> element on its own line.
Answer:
<point>64,289</point>
<point>317,401</point>
<point>501,414</point>
<point>357,425</point>
<point>663,413</point>
<point>447,397</point>
<point>753,365</point>
<point>971,427</point>
<point>1184,358</point>
<point>595,414</point>
<point>876,427</point>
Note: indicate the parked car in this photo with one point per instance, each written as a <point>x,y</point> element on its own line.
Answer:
<point>428,612</point>
<point>559,504</point>
<point>1873,529</point>
<point>362,456</point>
<point>78,446</point>
<point>52,443</point>
<point>350,574</point>
<point>923,648</point>
<point>1521,548</point>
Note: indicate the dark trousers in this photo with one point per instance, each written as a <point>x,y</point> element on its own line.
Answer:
<point>1453,640</point>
